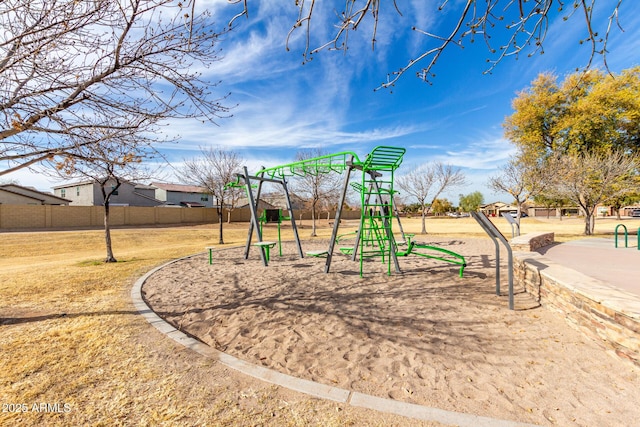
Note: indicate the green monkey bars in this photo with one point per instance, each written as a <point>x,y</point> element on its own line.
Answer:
<point>337,162</point>
<point>374,235</point>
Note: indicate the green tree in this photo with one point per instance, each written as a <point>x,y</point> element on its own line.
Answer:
<point>471,202</point>
<point>441,206</point>
<point>590,120</point>
<point>587,112</point>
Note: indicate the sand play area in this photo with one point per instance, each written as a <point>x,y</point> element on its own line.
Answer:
<point>425,336</point>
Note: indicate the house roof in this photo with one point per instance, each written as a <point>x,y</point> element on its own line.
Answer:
<point>20,194</point>
<point>89,182</point>
<point>180,188</point>
<point>192,204</point>
<point>31,193</point>
<point>263,204</point>
<point>73,184</point>
<point>493,205</point>
<point>144,187</point>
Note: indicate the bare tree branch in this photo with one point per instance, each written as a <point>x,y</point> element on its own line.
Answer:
<point>213,170</point>
<point>420,181</point>
<point>527,24</point>
<point>588,178</point>
<point>67,67</point>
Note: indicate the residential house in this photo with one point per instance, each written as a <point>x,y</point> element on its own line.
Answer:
<point>88,193</point>
<point>494,209</point>
<point>279,200</point>
<point>262,204</point>
<point>191,196</point>
<point>13,194</point>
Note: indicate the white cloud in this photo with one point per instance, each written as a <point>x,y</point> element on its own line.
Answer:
<point>482,155</point>
<point>31,178</point>
<point>277,131</point>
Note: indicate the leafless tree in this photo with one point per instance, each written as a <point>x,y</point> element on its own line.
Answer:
<point>213,170</point>
<point>109,164</point>
<point>69,69</point>
<point>420,182</point>
<point>523,180</point>
<point>588,178</point>
<point>526,22</point>
<point>318,190</point>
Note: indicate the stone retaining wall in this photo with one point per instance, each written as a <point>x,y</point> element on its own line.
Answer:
<point>602,312</point>
<point>532,241</point>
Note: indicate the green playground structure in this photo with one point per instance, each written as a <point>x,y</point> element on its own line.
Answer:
<point>375,235</point>
<point>270,216</point>
<point>440,254</point>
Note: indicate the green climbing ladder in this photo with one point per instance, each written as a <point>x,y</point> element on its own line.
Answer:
<point>376,193</point>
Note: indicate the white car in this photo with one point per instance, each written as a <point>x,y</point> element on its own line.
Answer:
<point>515,214</point>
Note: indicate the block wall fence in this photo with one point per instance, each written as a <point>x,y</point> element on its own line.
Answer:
<point>44,217</point>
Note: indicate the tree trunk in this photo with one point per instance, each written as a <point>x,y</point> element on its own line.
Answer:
<point>424,217</point>
<point>107,234</point>
<point>588,222</point>
<point>220,221</point>
<point>313,221</point>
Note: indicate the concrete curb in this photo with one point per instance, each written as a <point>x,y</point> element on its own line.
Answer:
<point>311,388</point>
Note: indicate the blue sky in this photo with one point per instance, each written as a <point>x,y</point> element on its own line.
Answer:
<point>330,102</point>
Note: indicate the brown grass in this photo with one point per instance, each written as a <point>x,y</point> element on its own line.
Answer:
<point>70,336</point>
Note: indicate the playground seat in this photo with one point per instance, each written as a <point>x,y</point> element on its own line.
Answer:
<point>267,246</point>
<point>408,237</point>
<point>347,250</point>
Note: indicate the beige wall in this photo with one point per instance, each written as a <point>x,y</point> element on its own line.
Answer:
<point>56,217</point>
<point>20,217</point>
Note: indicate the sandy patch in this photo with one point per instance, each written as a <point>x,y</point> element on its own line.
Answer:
<point>426,336</point>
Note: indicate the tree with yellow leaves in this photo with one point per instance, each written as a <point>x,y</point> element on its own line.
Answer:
<point>583,132</point>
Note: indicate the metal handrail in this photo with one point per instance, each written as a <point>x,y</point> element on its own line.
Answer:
<point>496,235</point>
<point>626,236</point>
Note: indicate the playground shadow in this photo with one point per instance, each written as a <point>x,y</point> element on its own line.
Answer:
<point>22,317</point>
<point>425,336</point>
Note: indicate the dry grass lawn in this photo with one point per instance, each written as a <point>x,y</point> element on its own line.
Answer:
<point>75,352</point>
